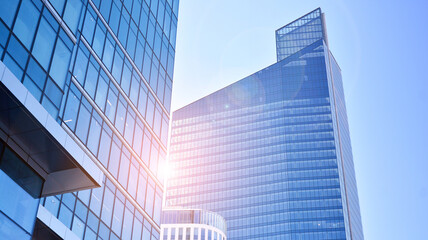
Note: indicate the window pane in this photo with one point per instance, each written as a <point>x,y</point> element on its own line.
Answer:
<point>120,117</point>
<point>101,93</point>
<point>26,22</point>
<point>127,225</point>
<point>104,148</point>
<point>44,43</point>
<point>142,183</point>
<point>78,227</point>
<point>158,209</point>
<point>80,66</point>
<point>58,5</point>
<point>108,54</point>
<point>91,80</point>
<point>17,198</point>
<point>132,184</point>
<point>60,63</point>
<point>94,136</point>
<point>107,209</point>
<point>83,123</point>
<point>111,105</point>
<point>88,27</point>
<point>113,164</point>
<point>129,126</point>
<point>99,39</point>
<point>52,204</point>
<point>97,195</point>
<point>70,114</point>
<point>117,217</point>
<point>124,170</point>
<point>10,230</point>
<point>7,10</point>
<point>136,231</point>
<point>65,215</point>
<point>149,200</point>
<point>72,14</point>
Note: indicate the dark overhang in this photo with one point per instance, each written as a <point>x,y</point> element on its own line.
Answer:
<point>39,140</point>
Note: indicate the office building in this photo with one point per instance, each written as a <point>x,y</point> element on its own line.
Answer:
<point>85,98</point>
<point>192,224</point>
<point>271,153</point>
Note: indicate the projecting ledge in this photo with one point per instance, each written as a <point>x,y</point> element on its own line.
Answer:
<point>39,140</point>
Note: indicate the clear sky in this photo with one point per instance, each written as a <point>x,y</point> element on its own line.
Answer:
<point>382,49</point>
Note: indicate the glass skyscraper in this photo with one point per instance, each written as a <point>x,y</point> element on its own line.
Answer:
<point>271,153</point>
<point>85,92</point>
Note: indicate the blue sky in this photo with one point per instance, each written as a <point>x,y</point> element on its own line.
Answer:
<point>382,49</point>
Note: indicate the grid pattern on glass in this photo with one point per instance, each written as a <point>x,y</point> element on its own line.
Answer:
<point>37,50</point>
<point>299,34</point>
<point>349,180</point>
<point>102,69</point>
<point>265,152</point>
<point>281,119</point>
<point>102,211</point>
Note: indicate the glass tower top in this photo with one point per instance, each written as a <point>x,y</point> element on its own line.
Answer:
<point>299,34</point>
<point>271,153</point>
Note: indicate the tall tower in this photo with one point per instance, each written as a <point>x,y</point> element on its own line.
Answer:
<point>85,92</point>
<point>271,153</point>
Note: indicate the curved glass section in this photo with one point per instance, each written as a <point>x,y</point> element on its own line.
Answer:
<point>193,216</point>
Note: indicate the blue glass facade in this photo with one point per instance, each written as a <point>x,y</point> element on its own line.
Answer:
<point>103,70</point>
<point>271,153</point>
<point>20,190</point>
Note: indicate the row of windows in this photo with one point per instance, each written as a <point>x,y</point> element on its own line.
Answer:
<point>270,155</point>
<point>258,196</point>
<point>301,33</point>
<point>249,110</point>
<point>275,140</point>
<point>271,207</point>
<point>286,118</point>
<point>267,233</point>
<point>242,179</point>
<point>263,187</point>
<point>40,57</point>
<point>238,157</point>
<point>108,98</point>
<point>102,211</point>
<point>277,116</point>
<point>270,219</point>
<point>295,39</point>
<point>212,130</point>
<point>288,138</point>
<point>285,206</point>
<point>216,200</point>
<point>265,171</point>
<point>261,148</point>
<point>224,166</point>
